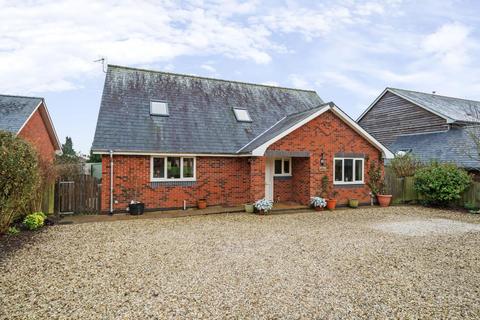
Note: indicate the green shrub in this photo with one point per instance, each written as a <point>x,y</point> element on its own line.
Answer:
<point>441,184</point>
<point>34,221</point>
<point>470,206</point>
<point>19,177</point>
<point>13,231</point>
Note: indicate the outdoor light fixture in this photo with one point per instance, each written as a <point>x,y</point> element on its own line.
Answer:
<point>322,160</point>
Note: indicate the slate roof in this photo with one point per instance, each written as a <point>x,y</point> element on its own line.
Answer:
<point>455,109</point>
<point>455,145</point>
<point>281,126</point>
<point>201,116</point>
<point>15,110</point>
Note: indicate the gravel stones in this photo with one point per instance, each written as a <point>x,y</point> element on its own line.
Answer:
<point>341,264</point>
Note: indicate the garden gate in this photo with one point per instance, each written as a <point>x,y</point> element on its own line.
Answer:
<point>78,195</point>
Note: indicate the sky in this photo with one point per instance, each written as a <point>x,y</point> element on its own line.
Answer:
<point>346,50</point>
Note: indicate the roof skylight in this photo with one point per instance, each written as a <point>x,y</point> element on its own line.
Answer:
<point>158,108</point>
<point>242,115</point>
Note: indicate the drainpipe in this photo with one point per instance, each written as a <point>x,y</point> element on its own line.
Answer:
<point>111,182</point>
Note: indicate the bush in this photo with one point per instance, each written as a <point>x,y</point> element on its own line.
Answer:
<point>13,231</point>
<point>34,221</point>
<point>404,165</point>
<point>441,184</point>
<point>19,177</point>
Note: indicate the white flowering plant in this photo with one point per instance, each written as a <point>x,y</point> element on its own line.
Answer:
<point>264,205</point>
<point>318,202</point>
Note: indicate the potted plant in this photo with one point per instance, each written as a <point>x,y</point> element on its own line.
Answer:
<point>353,203</point>
<point>377,186</point>
<point>383,198</point>
<point>136,208</point>
<point>332,201</point>
<point>202,203</point>
<point>318,203</point>
<point>249,208</point>
<point>263,206</point>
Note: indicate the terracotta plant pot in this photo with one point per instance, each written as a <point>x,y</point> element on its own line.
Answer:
<point>318,208</point>
<point>384,199</point>
<point>202,204</point>
<point>353,203</point>
<point>331,204</point>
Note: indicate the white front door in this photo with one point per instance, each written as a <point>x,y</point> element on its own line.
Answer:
<point>269,167</point>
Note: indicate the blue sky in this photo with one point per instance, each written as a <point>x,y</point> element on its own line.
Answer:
<point>348,51</point>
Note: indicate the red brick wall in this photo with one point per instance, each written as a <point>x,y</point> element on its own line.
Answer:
<point>220,180</point>
<point>35,132</point>
<point>330,135</point>
<point>282,189</point>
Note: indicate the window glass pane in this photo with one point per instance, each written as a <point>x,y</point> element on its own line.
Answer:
<point>278,166</point>
<point>338,170</point>
<point>188,167</point>
<point>159,108</point>
<point>159,167</point>
<point>242,115</point>
<point>286,166</point>
<point>173,167</point>
<point>358,170</point>
<point>347,170</point>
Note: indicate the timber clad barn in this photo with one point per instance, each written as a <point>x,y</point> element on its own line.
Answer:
<point>175,138</point>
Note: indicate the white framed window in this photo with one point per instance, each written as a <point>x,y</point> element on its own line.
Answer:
<point>242,115</point>
<point>348,170</point>
<point>282,167</point>
<point>158,108</point>
<point>172,168</point>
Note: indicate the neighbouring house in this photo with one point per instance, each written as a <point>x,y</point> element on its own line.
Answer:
<point>167,138</point>
<point>430,126</point>
<point>28,117</point>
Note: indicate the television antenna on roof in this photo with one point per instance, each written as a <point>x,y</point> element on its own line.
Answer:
<point>103,60</point>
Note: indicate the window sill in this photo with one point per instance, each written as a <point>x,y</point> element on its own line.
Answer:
<point>282,177</point>
<point>349,185</point>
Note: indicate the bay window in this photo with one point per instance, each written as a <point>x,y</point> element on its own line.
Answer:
<point>348,170</point>
<point>164,168</point>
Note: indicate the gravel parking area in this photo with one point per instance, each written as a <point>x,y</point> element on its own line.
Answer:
<point>398,262</point>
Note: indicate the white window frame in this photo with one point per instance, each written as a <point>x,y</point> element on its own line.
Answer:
<point>159,114</point>
<point>283,174</point>
<point>237,117</point>
<point>194,178</point>
<point>353,169</point>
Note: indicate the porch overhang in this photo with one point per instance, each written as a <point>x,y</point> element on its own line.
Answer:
<point>285,154</point>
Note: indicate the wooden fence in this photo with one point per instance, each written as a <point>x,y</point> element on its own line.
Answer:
<point>403,191</point>
<point>81,194</point>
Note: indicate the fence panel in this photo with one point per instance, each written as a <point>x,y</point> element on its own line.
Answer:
<point>78,195</point>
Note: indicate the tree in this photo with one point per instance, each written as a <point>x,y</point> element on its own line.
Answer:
<point>19,177</point>
<point>69,163</point>
<point>93,158</point>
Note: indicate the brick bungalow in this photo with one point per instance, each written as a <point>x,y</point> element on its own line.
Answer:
<point>168,138</point>
<point>28,117</point>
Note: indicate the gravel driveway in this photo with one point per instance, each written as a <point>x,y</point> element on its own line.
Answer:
<point>364,263</point>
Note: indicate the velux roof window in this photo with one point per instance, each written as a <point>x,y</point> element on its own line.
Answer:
<point>242,115</point>
<point>158,108</point>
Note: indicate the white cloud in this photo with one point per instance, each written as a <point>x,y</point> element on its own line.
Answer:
<point>299,82</point>
<point>50,45</point>
<point>208,68</point>
<point>449,43</point>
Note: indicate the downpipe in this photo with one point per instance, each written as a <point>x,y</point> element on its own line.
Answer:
<point>111,183</point>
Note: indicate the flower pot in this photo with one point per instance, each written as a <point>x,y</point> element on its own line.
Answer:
<point>318,208</point>
<point>202,204</point>
<point>384,199</point>
<point>136,209</point>
<point>353,203</point>
<point>331,204</point>
<point>249,208</point>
